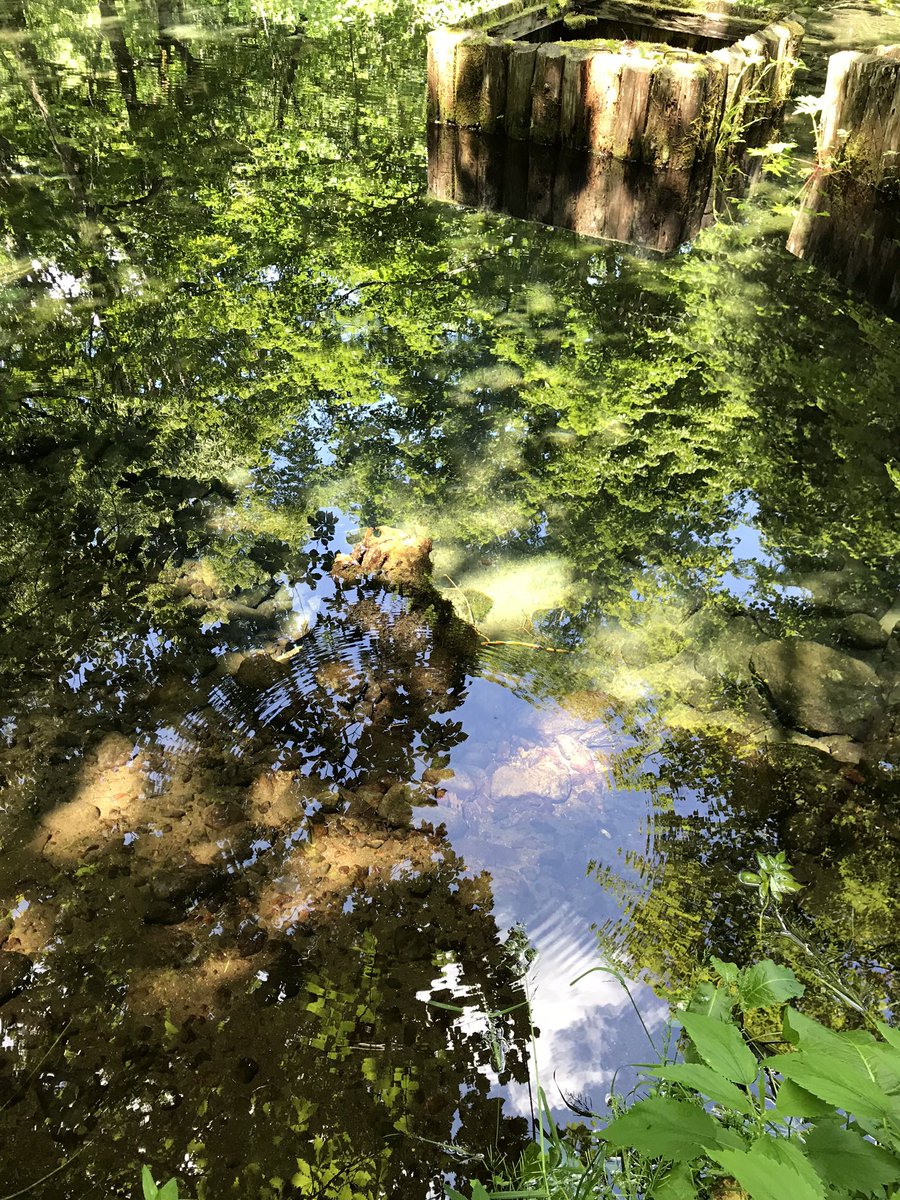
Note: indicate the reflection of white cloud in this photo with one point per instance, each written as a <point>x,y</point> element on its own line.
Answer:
<point>587,1031</point>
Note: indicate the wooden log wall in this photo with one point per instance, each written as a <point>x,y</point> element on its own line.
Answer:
<point>852,231</point>
<point>645,103</point>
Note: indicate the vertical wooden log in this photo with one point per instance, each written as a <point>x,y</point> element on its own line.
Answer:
<point>619,201</point>
<point>546,94</point>
<point>834,98</point>
<point>440,162</point>
<point>767,106</point>
<point>852,231</point>
<point>875,142</point>
<point>442,44</point>
<point>493,92</point>
<point>469,82</point>
<point>601,100</point>
<point>890,152</point>
<point>541,169</point>
<point>466,173</point>
<point>520,71</point>
<point>515,179</point>
<point>433,80</point>
<point>573,119</point>
<point>631,110</point>
<point>674,115</point>
<point>735,58</point>
<point>493,150</point>
<point>715,86</point>
<point>790,35</point>
<point>753,87</point>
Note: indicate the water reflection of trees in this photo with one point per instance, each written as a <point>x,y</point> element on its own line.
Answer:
<point>716,803</point>
<point>231,921</point>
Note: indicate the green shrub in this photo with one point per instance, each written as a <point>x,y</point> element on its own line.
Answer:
<point>820,1119</point>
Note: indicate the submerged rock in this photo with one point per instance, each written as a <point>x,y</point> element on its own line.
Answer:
<point>531,776</point>
<point>817,689</point>
<point>861,631</point>
<point>397,559</point>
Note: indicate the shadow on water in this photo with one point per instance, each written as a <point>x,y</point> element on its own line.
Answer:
<point>228,917</point>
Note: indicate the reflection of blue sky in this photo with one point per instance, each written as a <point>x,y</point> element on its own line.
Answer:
<point>749,554</point>
<point>539,868</point>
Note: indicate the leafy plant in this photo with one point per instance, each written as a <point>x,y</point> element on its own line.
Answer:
<point>168,1191</point>
<point>819,1119</point>
<point>773,880</point>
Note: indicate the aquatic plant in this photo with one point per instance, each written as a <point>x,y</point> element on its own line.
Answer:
<point>820,1117</point>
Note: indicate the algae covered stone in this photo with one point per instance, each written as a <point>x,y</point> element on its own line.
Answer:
<point>817,689</point>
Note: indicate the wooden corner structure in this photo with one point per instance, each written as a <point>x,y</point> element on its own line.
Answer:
<point>849,221</point>
<point>642,82</point>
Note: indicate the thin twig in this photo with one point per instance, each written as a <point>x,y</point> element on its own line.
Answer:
<point>43,1179</point>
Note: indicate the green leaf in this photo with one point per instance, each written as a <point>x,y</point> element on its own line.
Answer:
<point>794,1101</point>
<point>847,1160</point>
<point>806,1033</point>
<point>890,1035</point>
<point>843,1084</point>
<point>677,1185</point>
<point>151,1191</point>
<point>857,1048</point>
<point>727,971</point>
<point>765,984</point>
<point>711,1001</point>
<point>721,1047</point>
<point>772,1169</point>
<point>669,1129</point>
<point>169,1191</point>
<point>709,1082</point>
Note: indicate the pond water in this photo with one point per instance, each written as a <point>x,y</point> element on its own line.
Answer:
<point>259,825</point>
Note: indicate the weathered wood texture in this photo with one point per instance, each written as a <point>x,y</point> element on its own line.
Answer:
<point>852,230</point>
<point>649,103</point>
<point>849,222</point>
<point>596,197</point>
<point>861,115</point>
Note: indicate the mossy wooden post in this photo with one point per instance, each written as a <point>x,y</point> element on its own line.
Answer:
<point>601,102</point>
<point>520,69</point>
<point>849,222</point>
<point>546,95</point>
<point>468,82</point>
<point>861,115</point>
<point>684,107</point>
<point>493,93</point>
<point>634,102</point>
<point>519,74</point>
